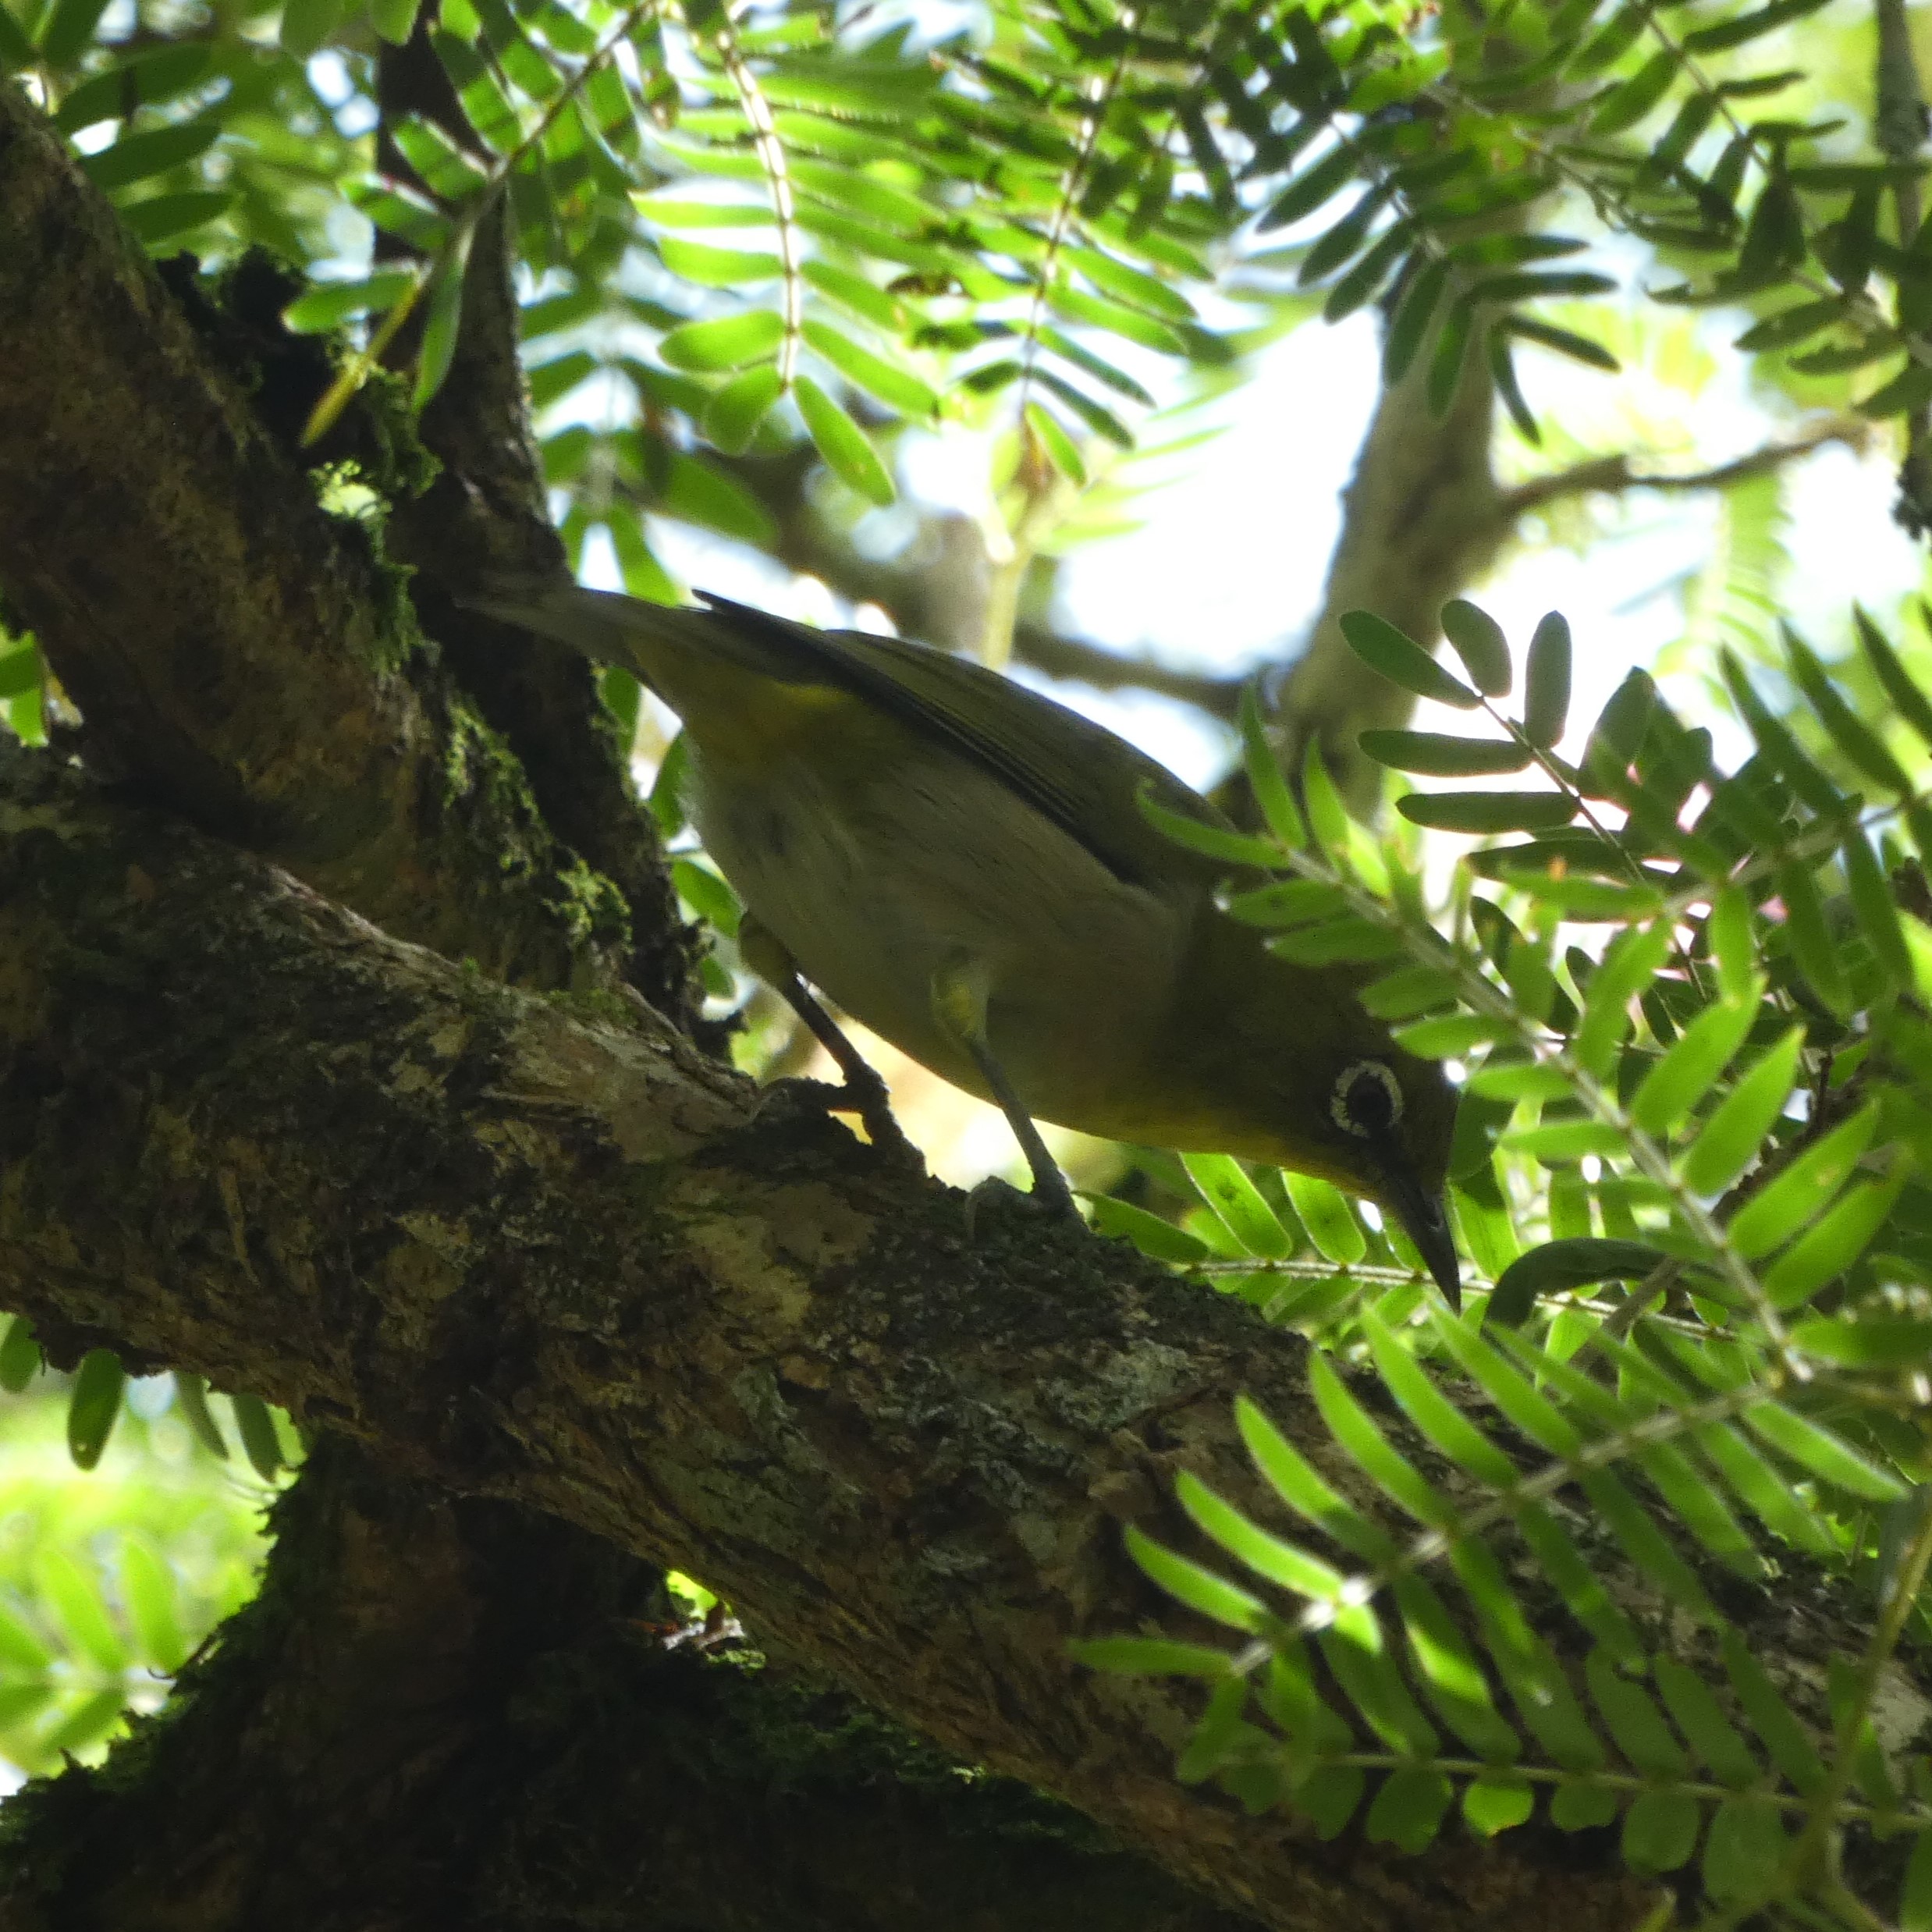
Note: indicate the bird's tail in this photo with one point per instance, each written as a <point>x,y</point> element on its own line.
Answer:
<point>607,628</point>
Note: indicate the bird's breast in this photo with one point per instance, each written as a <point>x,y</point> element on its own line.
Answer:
<point>876,872</point>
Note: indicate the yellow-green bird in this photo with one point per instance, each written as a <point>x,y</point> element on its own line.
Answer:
<point>962,864</point>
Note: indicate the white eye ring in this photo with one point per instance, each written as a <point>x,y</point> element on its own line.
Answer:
<point>1338,1098</point>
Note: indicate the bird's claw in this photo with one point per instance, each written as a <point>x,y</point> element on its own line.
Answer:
<point>1045,1204</point>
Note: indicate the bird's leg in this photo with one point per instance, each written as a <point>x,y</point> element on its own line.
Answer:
<point>765,953</point>
<point>959,994</point>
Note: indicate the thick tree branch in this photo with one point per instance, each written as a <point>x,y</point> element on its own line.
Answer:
<point>1421,521</point>
<point>443,1713</point>
<point>533,1255</point>
<point>234,649</point>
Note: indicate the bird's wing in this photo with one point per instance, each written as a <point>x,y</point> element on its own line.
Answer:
<point>1075,773</point>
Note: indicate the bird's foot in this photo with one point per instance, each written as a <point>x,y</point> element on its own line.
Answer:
<point>863,1093</point>
<point>1045,1205</point>
<point>798,1096</point>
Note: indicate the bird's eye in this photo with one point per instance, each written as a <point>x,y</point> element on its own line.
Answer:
<point>1367,1099</point>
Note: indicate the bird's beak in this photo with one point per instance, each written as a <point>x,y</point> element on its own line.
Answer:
<point>1427,1222</point>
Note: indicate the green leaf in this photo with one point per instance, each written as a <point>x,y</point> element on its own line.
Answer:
<point>1289,902</point>
<point>163,219</point>
<point>1661,1831</point>
<point>1877,913</point>
<point>846,448</point>
<point>191,1399</point>
<point>1907,699</point>
<point>139,157</point>
<point>864,299</point>
<point>395,20</point>
<point>707,895</point>
<point>1326,179</point>
<point>1732,946</point>
<point>1162,1240</point>
<point>1148,1656</point>
<point>306,24</point>
<point>711,267</point>
<point>1701,1720</point>
<point>1053,437</point>
<point>260,1442</point>
<point>1488,811</point>
<point>1478,641</point>
<point>1626,971</point>
<point>727,342</point>
<point>1295,1480</point>
<point>1409,328</point>
<point>1211,840</point>
<point>67,28</point>
<point>1915,1899</point>
<point>1264,1554</point>
<point>1826,1455</point>
<point>1402,661</point>
<point>1807,1186</point>
<point>1546,682</point>
<point>1496,1802</point>
<point>897,389</point>
<point>733,415</point>
<point>1328,817</point>
<point>1823,1252</point>
<point>1877,1342</point>
<point>1224,1185</point>
<point>1339,941</point>
<point>1330,1220</point>
<point>94,1404</point>
<point>1278,811</point>
<point>149,1586</point>
<point>1452,346</point>
<point>1695,1061</point>
<point>19,1356</point>
<point>1746,1840</point>
<point>73,1595</point>
<point>1617,735</point>
<point>1453,1034</point>
<point>1200,1589</point>
<point>1582,1807</point>
<point>1408,1810</point>
<point>1561,1141</point>
<point>1783,1736</point>
<point>1564,341</point>
<point>327,305</point>
<point>1437,756</point>
<point>1636,1725</point>
<point>22,1654</point>
<point>1556,1265</point>
<point>1411,990</point>
<point>439,347</point>
<point>1731,1138</point>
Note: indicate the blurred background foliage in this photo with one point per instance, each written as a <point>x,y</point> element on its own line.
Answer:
<point>110,1575</point>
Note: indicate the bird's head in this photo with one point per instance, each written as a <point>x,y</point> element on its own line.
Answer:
<point>1384,1128</point>
<point>1306,1079</point>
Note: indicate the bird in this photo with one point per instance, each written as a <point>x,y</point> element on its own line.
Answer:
<point>962,864</point>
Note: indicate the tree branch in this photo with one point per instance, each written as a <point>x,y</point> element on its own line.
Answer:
<point>473,1714</point>
<point>1613,476</point>
<point>234,649</point>
<point>535,1255</point>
